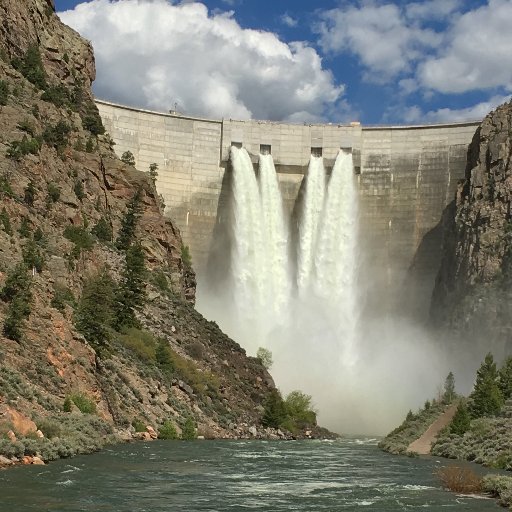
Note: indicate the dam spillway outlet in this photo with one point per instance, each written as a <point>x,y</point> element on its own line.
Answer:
<point>316,151</point>
<point>265,149</point>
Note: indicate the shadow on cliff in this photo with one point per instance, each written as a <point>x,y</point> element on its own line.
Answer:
<point>420,282</point>
<point>218,263</point>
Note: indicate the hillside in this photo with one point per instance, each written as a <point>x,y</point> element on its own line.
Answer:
<point>99,337</point>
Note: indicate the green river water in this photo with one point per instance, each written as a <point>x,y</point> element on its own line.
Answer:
<point>308,476</point>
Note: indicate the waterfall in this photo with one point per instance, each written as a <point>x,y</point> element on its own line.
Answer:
<point>308,227</point>
<point>260,275</point>
<point>335,263</point>
<point>248,255</point>
<point>275,238</point>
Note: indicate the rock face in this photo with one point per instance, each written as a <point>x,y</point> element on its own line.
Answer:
<point>75,183</point>
<point>473,293</point>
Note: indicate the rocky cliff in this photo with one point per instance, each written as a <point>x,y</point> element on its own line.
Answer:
<point>473,292</point>
<point>64,200</point>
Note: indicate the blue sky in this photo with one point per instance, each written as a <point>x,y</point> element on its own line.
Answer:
<point>376,61</point>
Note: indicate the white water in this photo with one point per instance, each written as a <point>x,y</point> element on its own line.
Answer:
<point>308,228</point>
<point>275,240</point>
<point>248,256</point>
<point>335,263</point>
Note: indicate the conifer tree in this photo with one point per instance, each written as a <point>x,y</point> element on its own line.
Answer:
<point>461,420</point>
<point>129,222</point>
<point>131,293</point>
<point>93,315</point>
<point>17,293</point>
<point>449,388</point>
<point>486,398</point>
<point>505,378</point>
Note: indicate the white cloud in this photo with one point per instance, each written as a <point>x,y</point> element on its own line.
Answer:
<point>380,35</point>
<point>151,53</point>
<point>432,9</point>
<point>479,53</point>
<point>289,21</point>
<point>446,115</point>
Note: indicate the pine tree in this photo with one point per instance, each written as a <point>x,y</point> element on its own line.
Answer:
<point>129,222</point>
<point>449,389</point>
<point>486,398</point>
<point>17,293</point>
<point>461,420</point>
<point>505,378</point>
<point>128,158</point>
<point>131,293</point>
<point>32,256</point>
<point>93,315</point>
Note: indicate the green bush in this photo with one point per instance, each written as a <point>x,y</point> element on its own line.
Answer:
<point>142,343</point>
<point>83,402</point>
<point>168,431</point>
<point>30,193</point>
<point>31,67</point>
<point>78,188</point>
<point>188,432</point>
<point>89,146</point>
<point>53,192</point>
<point>20,148</point>
<point>138,425</point>
<point>274,414</point>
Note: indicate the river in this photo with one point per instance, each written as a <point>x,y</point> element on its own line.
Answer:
<point>217,476</point>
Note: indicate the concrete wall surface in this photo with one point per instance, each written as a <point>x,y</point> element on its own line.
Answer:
<point>407,175</point>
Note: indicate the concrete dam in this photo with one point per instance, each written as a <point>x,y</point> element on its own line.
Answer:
<point>406,176</point>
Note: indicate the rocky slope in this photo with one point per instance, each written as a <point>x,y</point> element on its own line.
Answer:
<point>63,199</point>
<point>473,292</point>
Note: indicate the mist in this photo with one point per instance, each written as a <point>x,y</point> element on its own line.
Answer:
<point>336,337</point>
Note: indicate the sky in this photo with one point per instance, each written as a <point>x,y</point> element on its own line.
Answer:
<point>373,61</point>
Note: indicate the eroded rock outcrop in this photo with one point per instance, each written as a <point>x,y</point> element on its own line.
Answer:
<point>473,293</point>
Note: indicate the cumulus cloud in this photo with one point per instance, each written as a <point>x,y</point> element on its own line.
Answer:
<point>380,35</point>
<point>478,55</point>
<point>447,115</point>
<point>151,53</point>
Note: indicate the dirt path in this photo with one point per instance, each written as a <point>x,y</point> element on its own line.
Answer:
<point>422,444</point>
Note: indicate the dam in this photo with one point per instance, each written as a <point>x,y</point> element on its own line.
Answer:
<point>406,176</point>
